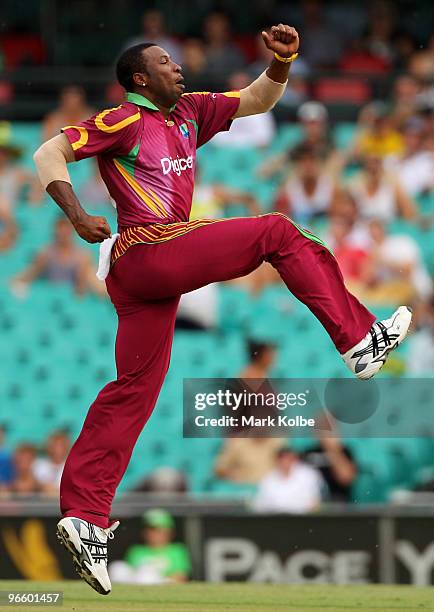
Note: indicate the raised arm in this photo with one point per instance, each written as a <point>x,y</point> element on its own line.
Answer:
<point>261,95</point>
<point>50,160</point>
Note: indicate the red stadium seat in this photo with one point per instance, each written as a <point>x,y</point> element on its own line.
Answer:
<point>22,49</point>
<point>6,92</point>
<point>355,91</point>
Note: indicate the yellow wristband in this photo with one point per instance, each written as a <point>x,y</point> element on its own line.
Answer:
<point>286,60</point>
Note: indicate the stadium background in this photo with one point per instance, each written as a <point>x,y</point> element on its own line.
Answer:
<point>56,346</point>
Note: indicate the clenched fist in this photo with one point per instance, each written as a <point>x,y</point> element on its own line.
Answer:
<point>282,39</point>
<point>92,229</point>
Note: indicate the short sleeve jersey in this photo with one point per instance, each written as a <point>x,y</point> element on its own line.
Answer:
<point>146,161</point>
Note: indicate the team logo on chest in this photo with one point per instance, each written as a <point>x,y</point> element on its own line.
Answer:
<point>177,165</point>
<point>183,128</point>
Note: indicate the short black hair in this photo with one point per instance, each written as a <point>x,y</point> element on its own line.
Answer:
<point>129,62</point>
<point>257,348</point>
<point>286,450</point>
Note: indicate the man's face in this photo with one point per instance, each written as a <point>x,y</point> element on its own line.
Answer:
<point>157,536</point>
<point>57,448</point>
<point>162,76</point>
<point>309,167</point>
<point>63,233</point>
<point>286,461</point>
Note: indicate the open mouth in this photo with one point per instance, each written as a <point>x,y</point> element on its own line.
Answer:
<point>180,83</point>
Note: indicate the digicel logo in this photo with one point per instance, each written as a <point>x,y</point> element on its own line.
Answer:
<point>177,165</point>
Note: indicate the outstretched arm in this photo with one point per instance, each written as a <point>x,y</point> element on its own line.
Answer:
<point>50,160</point>
<point>261,95</point>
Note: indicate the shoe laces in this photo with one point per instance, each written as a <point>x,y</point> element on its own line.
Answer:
<point>110,529</point>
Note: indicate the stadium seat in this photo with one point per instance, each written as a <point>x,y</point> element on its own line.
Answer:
<point>350,91</point>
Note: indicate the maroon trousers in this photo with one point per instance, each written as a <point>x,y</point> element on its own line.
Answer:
<point>145,285</point>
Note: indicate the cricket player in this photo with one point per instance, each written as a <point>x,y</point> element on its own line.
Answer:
<point>146,150</point>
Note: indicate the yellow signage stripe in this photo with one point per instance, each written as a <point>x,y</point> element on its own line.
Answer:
<point>137,188</point>
<point>109,129</point>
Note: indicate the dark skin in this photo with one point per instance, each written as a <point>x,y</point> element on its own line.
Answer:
<point>161,82</point>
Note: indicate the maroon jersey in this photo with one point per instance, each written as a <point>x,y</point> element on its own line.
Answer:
<point>148,162</point>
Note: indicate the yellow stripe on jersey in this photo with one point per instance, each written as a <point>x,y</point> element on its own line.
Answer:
<point>228,94</point>
<point>84,136</point>
<point>110,129</point>
<point>139,190</point>
<point>157,201</point>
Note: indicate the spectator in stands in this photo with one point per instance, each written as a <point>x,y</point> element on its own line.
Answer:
<point>211,200</point>
<point>415,166</point>
<point>93,191</point>
<point>198,310</point>
<point>8,225</point>
<point>247,460</point>
<point>333,459</point>
<point>154,31</point>
<point>404,47</point>
<point>313,120</point>
<point>310,188</point>
<point>381,28</point>
<point>62,261</point>
<point>345,206</point>
<point>420,357</point>
<point>72,109</point>
<point>377,134</point>
<point>359,58</point>
<point>159,559</point>
<point>292,486</point>
<point>24,481</point>
<point>262,356</point>
<point>405,101</point>
<point>15,181</point>
<point>315,134</point>
<point>421,64</point>
<point>194,66</point>
<point>322,46</point>
<point>379,193</point>
<point>250,131</point>
<point>165,480</point>
<point>223,57</point>
<point>48,470</point>
<point>397,271</point>
<point>353,258</point>
<point>6,466</point>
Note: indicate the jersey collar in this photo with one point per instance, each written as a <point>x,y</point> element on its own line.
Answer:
<point>136,98</point>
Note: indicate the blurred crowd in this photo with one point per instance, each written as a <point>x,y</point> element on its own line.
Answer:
<point>369,198</point>
<point>29,469</point>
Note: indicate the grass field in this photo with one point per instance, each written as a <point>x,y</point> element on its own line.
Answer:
<point>244,597</point>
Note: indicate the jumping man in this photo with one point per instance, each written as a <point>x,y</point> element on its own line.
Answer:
<point>146,150</point>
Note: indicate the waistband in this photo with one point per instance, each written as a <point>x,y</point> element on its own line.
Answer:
<point>153,234</point>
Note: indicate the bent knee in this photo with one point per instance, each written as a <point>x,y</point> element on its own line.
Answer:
<point>279,223</point>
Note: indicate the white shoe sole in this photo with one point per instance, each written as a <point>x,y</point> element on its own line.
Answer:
<point>95,575</point>
<point>405,315</point>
